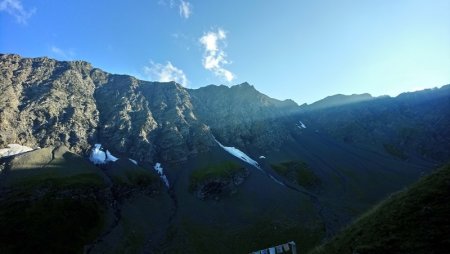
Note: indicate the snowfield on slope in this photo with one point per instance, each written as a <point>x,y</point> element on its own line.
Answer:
<point>244,157</point>
<point>14,149</point>
<point>239,154</point>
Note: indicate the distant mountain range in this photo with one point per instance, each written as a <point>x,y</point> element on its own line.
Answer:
<point>216,169</point>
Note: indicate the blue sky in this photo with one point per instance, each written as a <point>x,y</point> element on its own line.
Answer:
<point>299,49</point>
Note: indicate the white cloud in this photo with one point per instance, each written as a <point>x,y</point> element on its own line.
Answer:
<point>214,56</point>
<point>165,73</point>
<point>64,54</point>
<point>185,9</point>
<point>16,9</point>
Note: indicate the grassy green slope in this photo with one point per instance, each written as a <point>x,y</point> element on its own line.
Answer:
<point>297,172</point>
<point>416,220</point>
<point>49,203</point>
<point>220,170</point>
<point>125,174</point>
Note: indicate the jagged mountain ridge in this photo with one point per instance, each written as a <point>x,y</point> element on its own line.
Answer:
<point>48,102</point>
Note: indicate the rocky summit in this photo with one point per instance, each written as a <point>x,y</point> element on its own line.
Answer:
<point>94,162</point>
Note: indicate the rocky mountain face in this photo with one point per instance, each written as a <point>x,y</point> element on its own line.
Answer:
<point>47,102</point>
<point>242,116</point>
<point>44,102</point>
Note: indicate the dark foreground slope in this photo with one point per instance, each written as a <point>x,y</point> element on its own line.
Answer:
<point>415,220</point>
<point>54,201</point>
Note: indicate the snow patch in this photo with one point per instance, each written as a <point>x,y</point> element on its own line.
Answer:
<point>301,125</point>
<point>135,162</point>
<point>14,149</point>
<point>279,182</point>
<point>110,157</point>
<point>161,174</point>
<point>98,156</point>
<point>240,155</point>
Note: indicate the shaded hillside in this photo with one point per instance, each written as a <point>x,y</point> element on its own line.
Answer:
<point>415,220</point>
<point>409,126</point>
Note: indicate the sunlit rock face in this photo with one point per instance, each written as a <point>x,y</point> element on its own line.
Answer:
<point>47,102</point>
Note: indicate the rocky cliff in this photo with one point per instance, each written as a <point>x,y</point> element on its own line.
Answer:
<point>46,102</point>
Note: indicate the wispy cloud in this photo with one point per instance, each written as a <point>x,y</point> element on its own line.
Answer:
<point>165,73</point>
<point>16,9</point>
<point>214,57</point>
<point>68,54</point>
<point>170,3</point>
<point>185,9</point>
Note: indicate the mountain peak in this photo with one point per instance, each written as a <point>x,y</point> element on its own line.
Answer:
<point>340,100</point>
<point>245,84</point>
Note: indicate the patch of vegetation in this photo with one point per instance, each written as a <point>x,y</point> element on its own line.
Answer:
<point>126,175</point>
<point>415,220</point>
<point>225,170</point>
<point>136,178</point>
<point>53,181</point>
<point>297,172</point>
<point>395,151</point>
<point>48,224</point>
